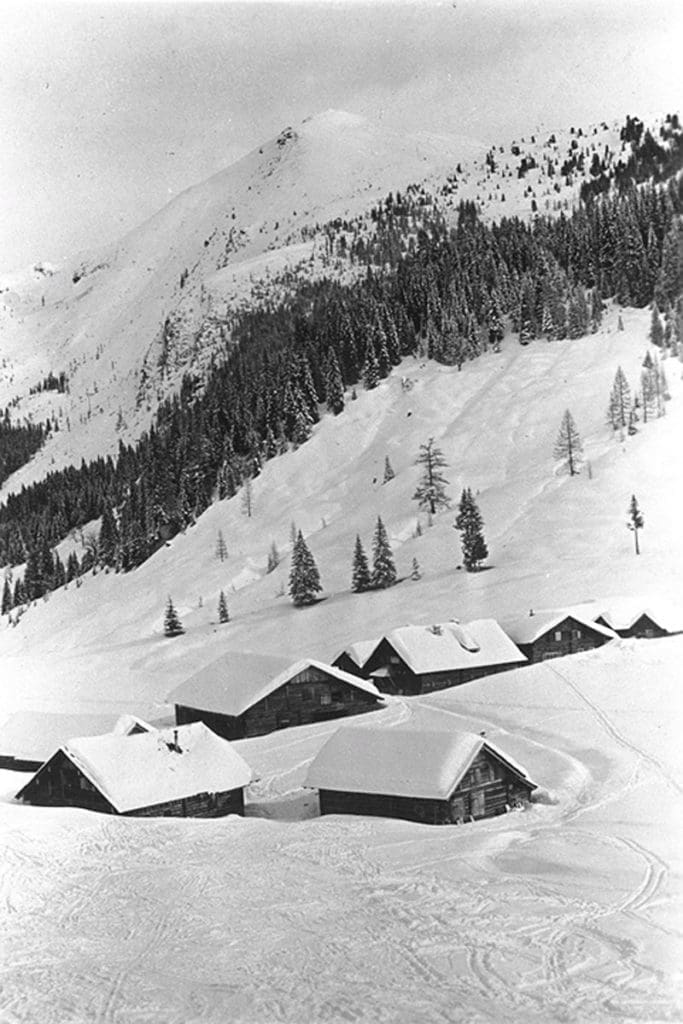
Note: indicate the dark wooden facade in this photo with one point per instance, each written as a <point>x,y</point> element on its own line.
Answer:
<point>346,663</point>
<point>60,783</point>
<point>391,674</point>
<point>566,637</point>
<point>488,788</point>
<point>310,696</point>
<point>644,627</point>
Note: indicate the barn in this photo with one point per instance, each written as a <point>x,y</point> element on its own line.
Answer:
<point>419,770</point>
<point>544,635</point>
<point>234,699</point>
<point>179,772</point>
<point>419,659</point>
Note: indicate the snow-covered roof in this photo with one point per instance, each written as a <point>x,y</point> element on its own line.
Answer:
<point>625,614</point>
<point>527,629</point>
<point>35,735</point>
<point>149,768</point>
<point>450,646</point>
<point>234,683</point>
<point>423,757</point>
<point>128,725</point>
<point>358,652</point>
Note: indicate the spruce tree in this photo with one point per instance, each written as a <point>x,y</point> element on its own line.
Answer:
<point>618,413</point>
<point>108,540</point>
<point>360,578</point>
<point>221,548</point>
<point>383,568</point>
<point>334,385</point>
<point>388,471</point>
<point>470,524</point>
<point>304,578</point>
<point>415,573</point>
<point>656,333</point>
<point>568,446</point>
<point>223,614</point>
<point>247,497</point>
<point>72,567</point>
<point>635,520</point>
<point>172,623</point>
<point>6,597</point>
<point>431,491</point>
<point>370,371</point>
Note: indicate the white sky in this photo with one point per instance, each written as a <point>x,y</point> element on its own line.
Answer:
<point>107,110</point>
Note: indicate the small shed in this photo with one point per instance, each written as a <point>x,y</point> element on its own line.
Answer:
<point>178,772</point>
<point>236,704</point>
<point>420,659</point>
<point>419,770</point>
<point>544,635</point>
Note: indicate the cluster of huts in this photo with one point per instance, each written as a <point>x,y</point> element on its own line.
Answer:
<point>421,769</point>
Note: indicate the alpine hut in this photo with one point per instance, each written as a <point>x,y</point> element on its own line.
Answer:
<point>419,659</point>
<point>544,635</point>
<point>421,770</point>
<point>241,695</point>
<point>180,772</point>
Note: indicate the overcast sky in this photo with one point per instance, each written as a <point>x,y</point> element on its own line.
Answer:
<point>107,110</point>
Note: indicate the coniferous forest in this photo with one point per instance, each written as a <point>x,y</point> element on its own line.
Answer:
<point>423,286</point>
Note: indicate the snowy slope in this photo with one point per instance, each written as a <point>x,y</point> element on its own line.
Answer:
<point>553,540</point>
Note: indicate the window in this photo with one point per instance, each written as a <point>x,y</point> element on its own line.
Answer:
<point>577,634</point>
<point>325,698</point>
<point>558,636</point>
<point>337,696</point>
<point>393,659</point>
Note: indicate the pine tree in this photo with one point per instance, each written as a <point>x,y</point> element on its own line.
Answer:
<point>273,558</point>
<point>656,333</point>
<point>360,578</point>
<point>388,471</point>
<point>648,390</point>
<point>72,567</point>
<point>568,446</point>
<point>415,573</point>
<point>635,520</point>
<point>470,524</point>
<point>247,497</point>
<point>6,597</point>
<point>221,548</point>
<point>223,614</point>
<point>370,371</point>
<point>618,413</point>
<point>304,578</point>
<point>383,568</point>
<point>172,623</point>
<point>334,385</point>
<point>108,541</point>
<point>19,595</point>
<point>431,491</point>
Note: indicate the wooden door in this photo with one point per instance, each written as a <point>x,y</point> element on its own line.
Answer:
<point>478,803</point>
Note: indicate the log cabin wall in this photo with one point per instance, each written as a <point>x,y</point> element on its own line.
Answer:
<point>228,727</point>
<point>311,696</point>
<point>200,805</point>
<point>60,784</point>
<point>567,637</point>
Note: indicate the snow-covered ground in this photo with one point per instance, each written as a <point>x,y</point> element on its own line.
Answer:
<point>568,911</point>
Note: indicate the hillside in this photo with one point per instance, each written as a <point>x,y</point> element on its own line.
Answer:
<point>123,324</point>
<point>553,540</point>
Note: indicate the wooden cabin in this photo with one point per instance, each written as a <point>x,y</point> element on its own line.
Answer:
<point>420,659</point>
<point>353,657</point>
<point>418,770</point>
<point>642,624</point>
<point>544,635</point>
<point>178,772</point>
<point>233,699</point>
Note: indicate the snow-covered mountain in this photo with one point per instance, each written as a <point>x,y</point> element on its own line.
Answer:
<point>124,323</point>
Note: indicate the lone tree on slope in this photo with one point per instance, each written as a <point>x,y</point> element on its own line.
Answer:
<point>471,525</point>
<point>221,547</point>
<point>383,568</point>
<point>388,471</point>
<point>304,578</point>
<point>431,491</point>
<point>223,614</point>
<point>360,578</point>
<point>619,410</point>
<point>568,446</point>
<point>635,520</point>
<point>172,624</point>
